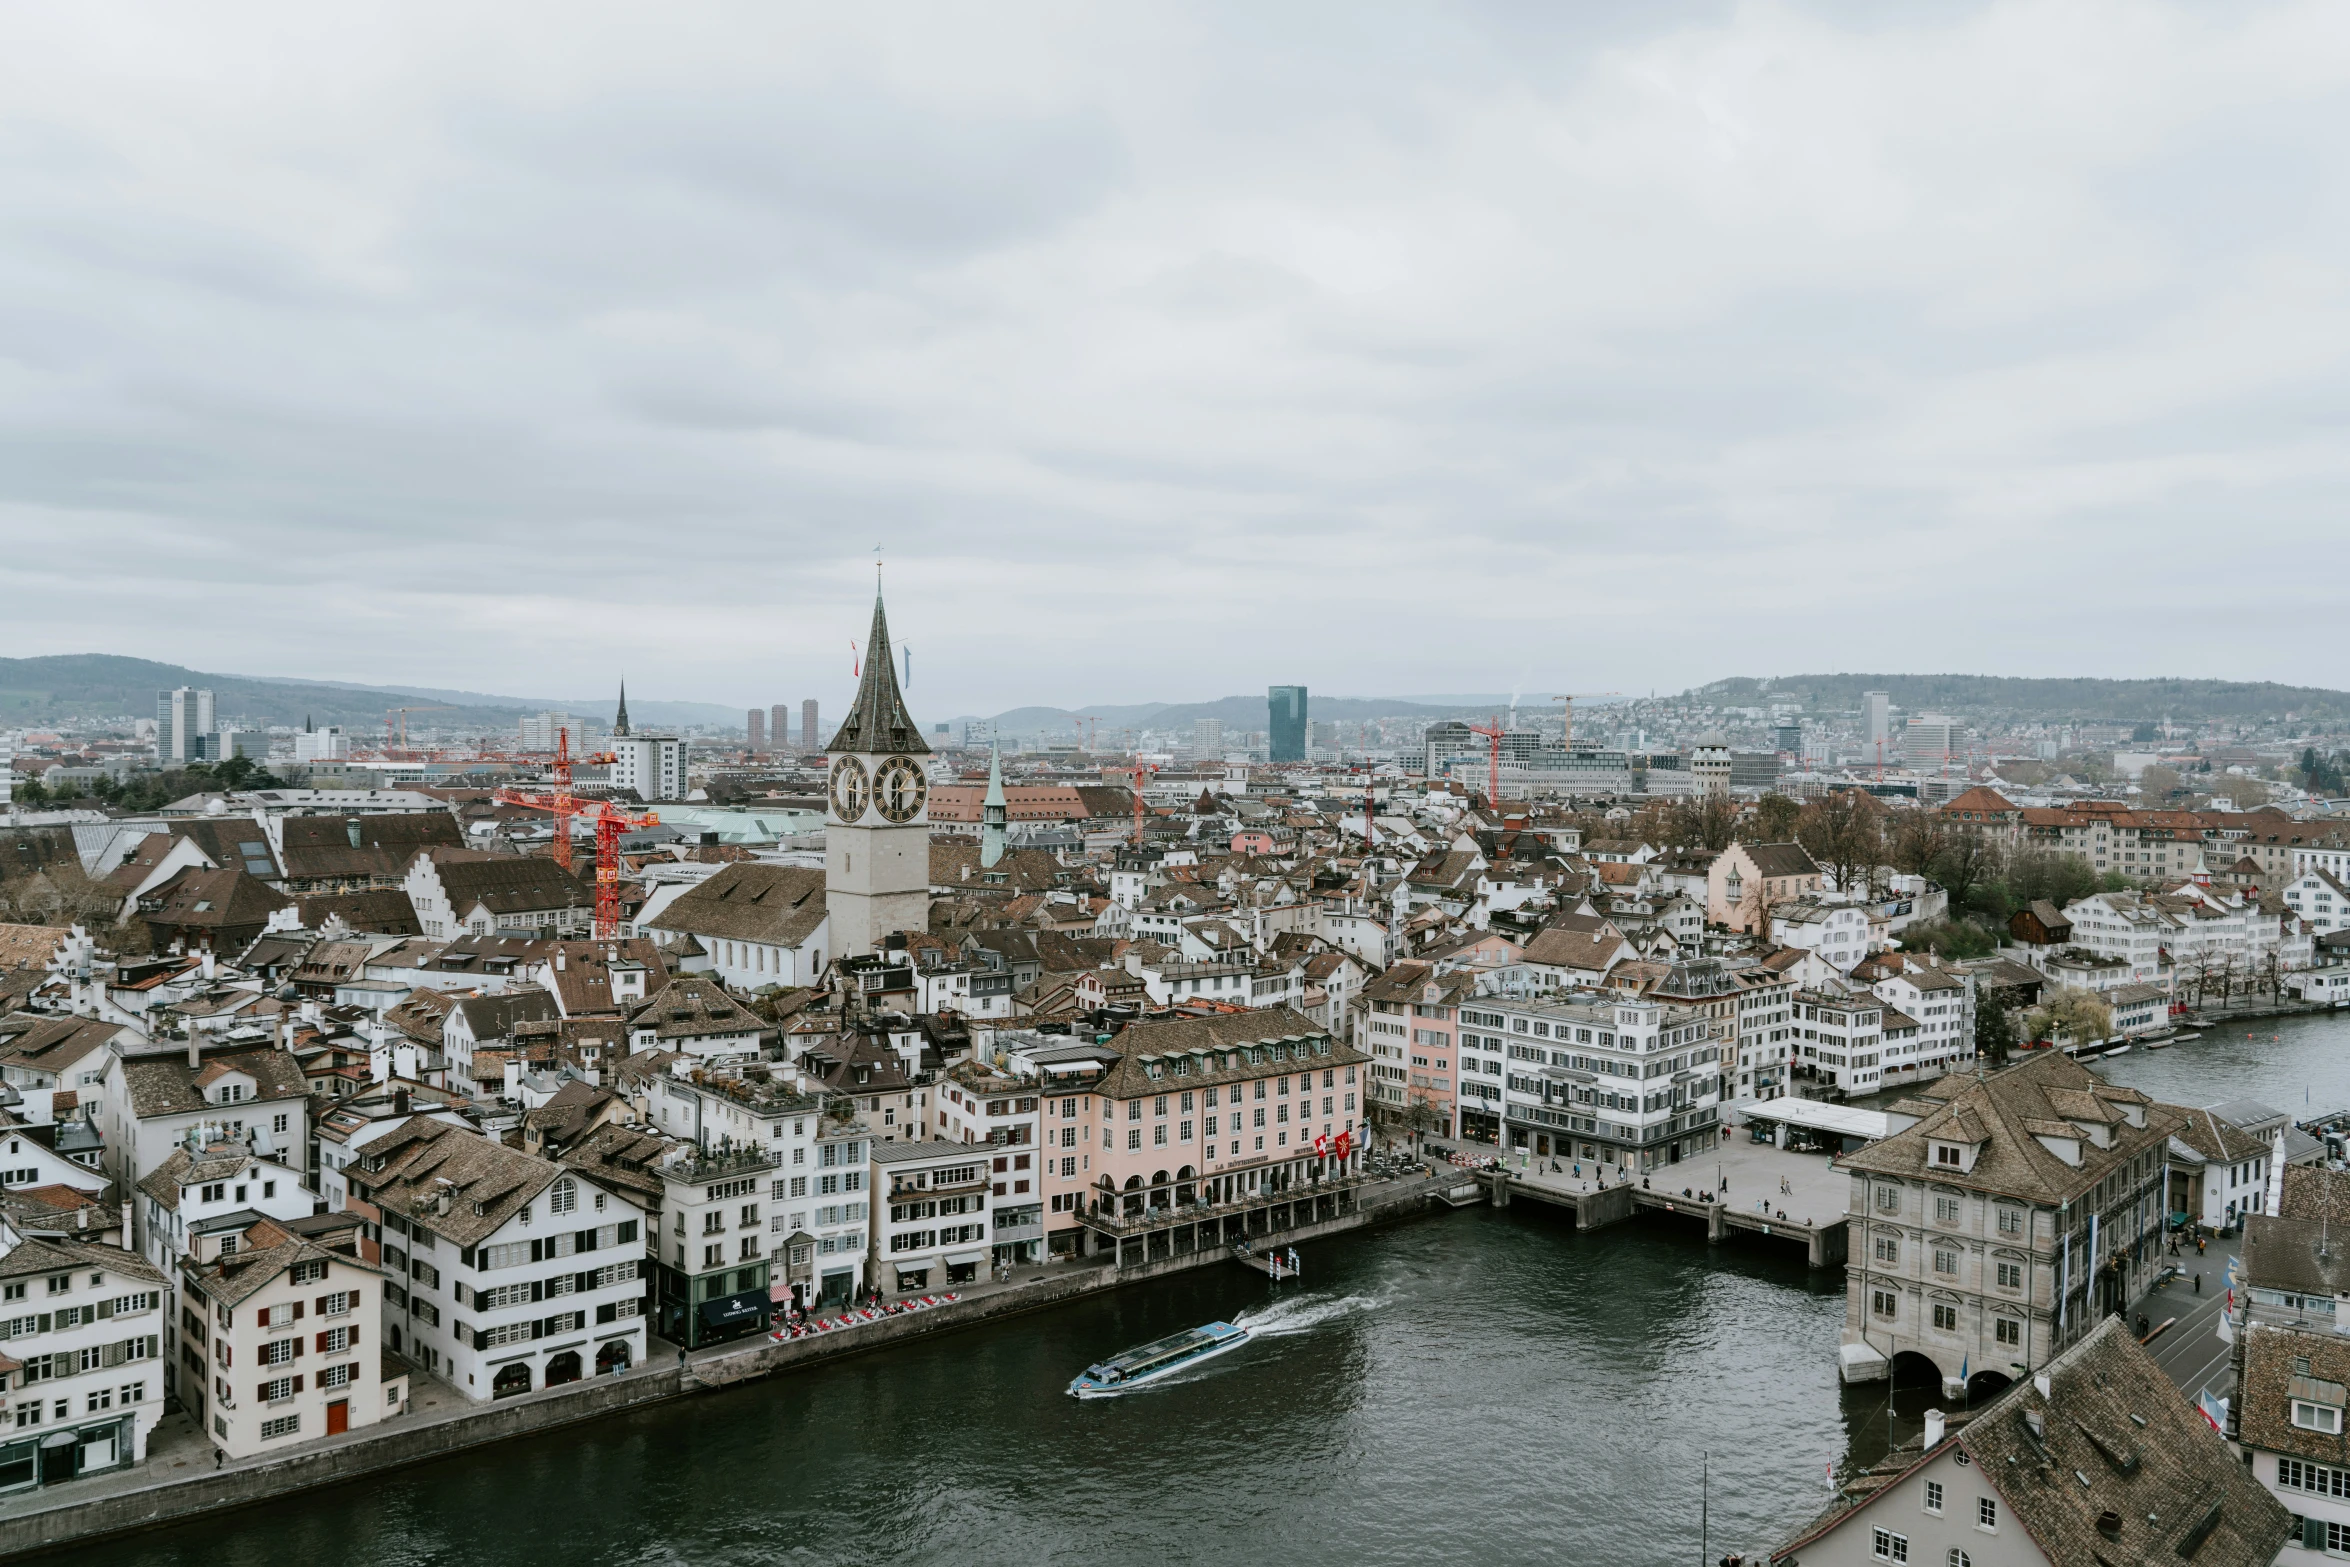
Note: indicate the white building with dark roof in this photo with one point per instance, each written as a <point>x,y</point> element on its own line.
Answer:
<point>81,1346</point>
<point>512,1272</point>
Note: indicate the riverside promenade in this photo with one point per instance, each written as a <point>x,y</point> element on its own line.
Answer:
<point>1750,1188</point>
<point>178,1481</point>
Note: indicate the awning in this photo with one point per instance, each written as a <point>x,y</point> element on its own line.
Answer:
<point>732,1310</point>
<point>965,1259</point>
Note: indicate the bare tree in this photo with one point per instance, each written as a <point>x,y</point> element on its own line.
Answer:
<point>1844,833</point>
<point>1775,816</point>
<point>1967,861</point>
<point>1916,841</point>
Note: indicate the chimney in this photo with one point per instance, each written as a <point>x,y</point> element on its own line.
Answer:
<point>560,957</point>
<point>1936,1424</point>
<point>195,1052</point>
<point>399,1101</point>
<point>126,1226</point>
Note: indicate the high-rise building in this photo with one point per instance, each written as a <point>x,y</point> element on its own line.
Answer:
<point>1207,739</point>
<point>1930,741</point>
<point>779,725</point>
<point>1286,729</point>
<point>652,765</point>
<point>539,732</point>
<point>328,745</point>
<point>184,727</point>
<point>810,740</point>
<point>1877,709</point>
<point>758,729</point>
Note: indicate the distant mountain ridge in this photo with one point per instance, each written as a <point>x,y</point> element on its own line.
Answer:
<point>2051,700</point>
<point>62,687</point>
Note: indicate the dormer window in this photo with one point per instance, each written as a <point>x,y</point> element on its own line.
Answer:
<point>2317,1417</point>
<point>1947,1155</point>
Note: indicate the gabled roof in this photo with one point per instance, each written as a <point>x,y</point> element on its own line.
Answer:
<point>1780,859</point>
<point>320,846</point>
<point>2044,1095</point>
<point>2111,1467</point>
<point>506,883</point>
<point>164,1084</point>
<point>487,1183</point>
<point>772,905</point>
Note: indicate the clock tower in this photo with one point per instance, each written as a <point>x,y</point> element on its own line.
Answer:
<point>877,811</point>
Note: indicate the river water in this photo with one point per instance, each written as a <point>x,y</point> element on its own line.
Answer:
<point>1481,1385</point>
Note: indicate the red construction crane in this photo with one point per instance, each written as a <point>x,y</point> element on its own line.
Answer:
<point>1137,773</point>
<point>611,821</point>
<point>1492,733</point>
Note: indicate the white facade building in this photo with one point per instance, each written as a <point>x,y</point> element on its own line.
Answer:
<point>651,765</point>
<point>84,1325</point>
<point>516,1272</point>
<point>1635,1084</point>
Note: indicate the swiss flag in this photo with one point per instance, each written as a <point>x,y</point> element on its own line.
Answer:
<point>1321,1147</point>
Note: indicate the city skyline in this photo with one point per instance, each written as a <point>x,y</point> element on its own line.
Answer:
<point>1731,310</point>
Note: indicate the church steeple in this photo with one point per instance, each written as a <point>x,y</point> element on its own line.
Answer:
<point>993,813</point>
<point>878,723</point>
<point>620,719</point>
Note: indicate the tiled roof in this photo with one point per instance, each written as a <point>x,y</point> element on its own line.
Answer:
<point>2113,1467</point>
<point>2279,1366</point>
<point>457,1184</point>
<point>40,1256</point>
<point>164,1084</point>
<point>507,883</point>
<point>2044,1095</point>
<point>1216,1036</point>
<point>774,905</point>
<point>320,847</point>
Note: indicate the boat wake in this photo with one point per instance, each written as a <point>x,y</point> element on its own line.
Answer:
<point>1302,1313</point>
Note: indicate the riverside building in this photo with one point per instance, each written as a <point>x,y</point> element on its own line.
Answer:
<point>503,1273</point>
<point>1634,1083</point>
<point>1995,1232</point>
<point>1207,1129</point>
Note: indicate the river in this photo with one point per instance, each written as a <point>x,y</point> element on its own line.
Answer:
<point>1484,1385</point>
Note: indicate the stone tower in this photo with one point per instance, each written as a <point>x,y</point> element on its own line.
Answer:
<point>877,811</point>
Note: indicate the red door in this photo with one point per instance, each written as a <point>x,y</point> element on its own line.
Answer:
<point>338,1416</point>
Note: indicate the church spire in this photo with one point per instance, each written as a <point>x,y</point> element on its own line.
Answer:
<point>993,812</point>
<point>620,719</point>
<point>878,722</point>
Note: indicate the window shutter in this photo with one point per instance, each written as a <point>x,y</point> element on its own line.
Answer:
<point>297,1384</point>
<point>297,1311</point>
<point>322,1343</point>
<point>538,1290</point>
<point>538,1329</point>
<point>586,1240</point>
<point>536,1248</point>
<point>105,1309</point>
<point>2313,1534</point>
<point>297,1346</point>
<point>481,1339</point>
<point>466,1256</point>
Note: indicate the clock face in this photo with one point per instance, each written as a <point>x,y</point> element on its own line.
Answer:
<point>899,789</point>
<point>848,788</point>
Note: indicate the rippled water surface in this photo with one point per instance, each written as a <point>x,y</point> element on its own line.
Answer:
<point>1475,1386</point>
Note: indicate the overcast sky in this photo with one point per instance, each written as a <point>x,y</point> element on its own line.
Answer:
<point>1175,351</point>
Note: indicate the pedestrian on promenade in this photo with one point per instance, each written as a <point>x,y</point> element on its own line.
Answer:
<point>2198,1245</point>
<point>2198,1283</point>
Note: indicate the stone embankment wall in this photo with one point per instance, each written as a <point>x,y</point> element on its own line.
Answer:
<point>110,1506</point>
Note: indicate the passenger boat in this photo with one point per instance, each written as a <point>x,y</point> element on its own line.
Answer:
<point>1159,1358</point>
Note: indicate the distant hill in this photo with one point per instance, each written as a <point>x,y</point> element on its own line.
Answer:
<point>97,686</point>
<point>1242,713</point>
<point>2055,700</point>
